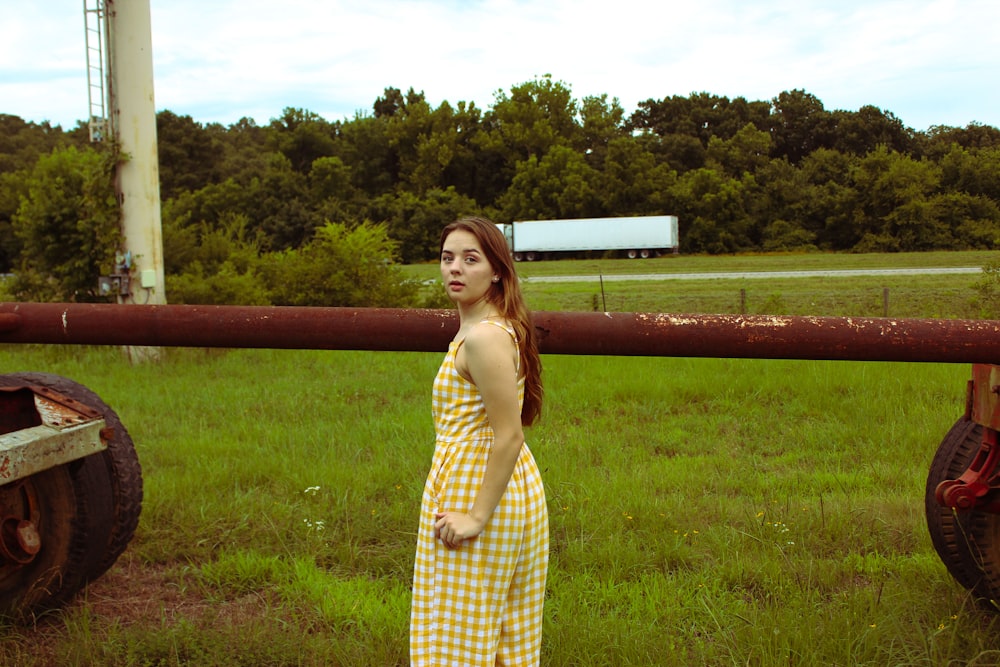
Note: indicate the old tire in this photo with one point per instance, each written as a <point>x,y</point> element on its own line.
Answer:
<point>57,571</point>
<point>107,489</point>
<point>967,542</point>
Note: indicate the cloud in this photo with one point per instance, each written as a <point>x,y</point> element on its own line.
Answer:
<point>930,62</point>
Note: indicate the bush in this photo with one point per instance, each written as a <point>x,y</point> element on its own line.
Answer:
<point>340,267</point>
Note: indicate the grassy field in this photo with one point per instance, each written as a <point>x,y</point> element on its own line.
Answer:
<point>703,511</point>
<point>945,295</point>
<point>729,263</point>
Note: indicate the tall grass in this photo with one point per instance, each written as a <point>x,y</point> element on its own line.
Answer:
<point>703,511</point>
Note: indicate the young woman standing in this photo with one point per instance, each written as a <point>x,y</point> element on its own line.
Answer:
<point>482,547</point>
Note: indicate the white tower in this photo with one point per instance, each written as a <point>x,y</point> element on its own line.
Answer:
<point>120,81</point>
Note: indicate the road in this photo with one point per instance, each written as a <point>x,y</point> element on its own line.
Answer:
<point>752,275</point>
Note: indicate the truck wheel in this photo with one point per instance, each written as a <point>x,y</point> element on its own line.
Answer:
<point>967,542</point>
<point>518,257</point>
<point>108,484</point>
<point>632,254</point>
<point>44,565</point>
<point>531,257</point>
<point>644,253</point>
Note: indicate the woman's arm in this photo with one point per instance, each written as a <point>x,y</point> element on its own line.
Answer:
<point>490,362</point>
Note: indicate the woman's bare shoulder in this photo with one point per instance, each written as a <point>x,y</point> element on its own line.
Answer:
<point>486,335</point>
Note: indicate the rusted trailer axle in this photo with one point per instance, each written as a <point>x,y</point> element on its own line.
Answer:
<point>621,334</point>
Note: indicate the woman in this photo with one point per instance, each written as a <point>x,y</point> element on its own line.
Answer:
<point>482,548</point>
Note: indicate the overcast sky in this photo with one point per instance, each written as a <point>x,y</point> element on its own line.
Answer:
<point>927,62</point>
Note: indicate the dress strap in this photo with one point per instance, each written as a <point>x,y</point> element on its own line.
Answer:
<point>509,329</point>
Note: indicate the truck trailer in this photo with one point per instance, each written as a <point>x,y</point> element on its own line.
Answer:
<point>646,236</point>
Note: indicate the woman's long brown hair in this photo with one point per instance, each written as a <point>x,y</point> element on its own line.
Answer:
<point>506,295</point>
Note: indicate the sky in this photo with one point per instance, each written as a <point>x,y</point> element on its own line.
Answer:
<point>934,62</point>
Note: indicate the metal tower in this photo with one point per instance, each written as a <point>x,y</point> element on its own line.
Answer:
<point>122,109</point>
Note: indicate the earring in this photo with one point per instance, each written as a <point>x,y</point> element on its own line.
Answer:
<point>496,279</point>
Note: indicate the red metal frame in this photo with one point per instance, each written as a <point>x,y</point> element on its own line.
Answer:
<point>972,489</point>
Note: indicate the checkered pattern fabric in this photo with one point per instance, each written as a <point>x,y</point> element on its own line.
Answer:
<point>479,604</point>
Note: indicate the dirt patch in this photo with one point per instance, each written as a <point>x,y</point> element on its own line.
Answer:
<point>130,594</point>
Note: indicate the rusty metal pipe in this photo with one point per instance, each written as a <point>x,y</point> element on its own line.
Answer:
<point>623,334</point>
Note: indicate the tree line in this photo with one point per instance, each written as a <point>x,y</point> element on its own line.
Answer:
<point>246,205</point>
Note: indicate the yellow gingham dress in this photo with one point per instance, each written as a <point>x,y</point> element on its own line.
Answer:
<point>479,604</point>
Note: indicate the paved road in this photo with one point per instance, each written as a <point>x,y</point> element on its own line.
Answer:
<point>754,275</point>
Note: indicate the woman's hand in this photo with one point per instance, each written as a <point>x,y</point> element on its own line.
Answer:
<point>453,528</point>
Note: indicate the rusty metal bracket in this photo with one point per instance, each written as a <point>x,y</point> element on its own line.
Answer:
<point>970,489</point>
<point>42,429</point>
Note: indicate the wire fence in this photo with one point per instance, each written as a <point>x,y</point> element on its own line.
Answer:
<point>919,302</point>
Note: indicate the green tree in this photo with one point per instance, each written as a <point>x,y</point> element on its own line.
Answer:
<point>214,265</point>
<point>278,204</point>
<point>332,191</point>
<point>245,147</point>
<point>559,185</point>
<point>828,199</point>
<point>22,143</point>
<point>633,182</point>
<point>745,152</point>
<point>972,171</point>
<point>783,236</point>
<point>12,189</point>
<point>340,267</point>
<point>972,221</point>
<point>939,139</point>
<point>893,212</point>
<point>800,125</point>
<point>862,131</point>
<point>189,154</point>
<point>302,136</point>
<point>68,223</point>
<point>601,122</point>
<point>364,146</point>
<point>415,222</point>
<point>701,116</point>
<point>717,210</point>
<point>537,116</point>
<point>433,146</point>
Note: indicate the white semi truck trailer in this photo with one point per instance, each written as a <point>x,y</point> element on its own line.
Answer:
<point>646,236</point>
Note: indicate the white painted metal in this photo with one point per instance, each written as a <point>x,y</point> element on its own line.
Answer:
<point>95,28</point>
<point>133,114</point>
<point>657,232</point>
<point>31,450</point>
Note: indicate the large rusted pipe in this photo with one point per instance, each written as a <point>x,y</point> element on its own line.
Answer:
<point>625,334</point>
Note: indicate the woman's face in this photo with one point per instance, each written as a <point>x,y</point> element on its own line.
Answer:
<point>465,271</point>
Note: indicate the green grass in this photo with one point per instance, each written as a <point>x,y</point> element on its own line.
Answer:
<point>729,263</point>
<point>944,295</point>
<point>703,511</point>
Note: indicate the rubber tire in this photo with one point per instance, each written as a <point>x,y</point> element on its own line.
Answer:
<point>109,483</point>
<point>531,257</point>
<point>632,254</point>
<point>56,572</point>
<point>645,253</point>
<point>518,257</point>
<point>967,542</point>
